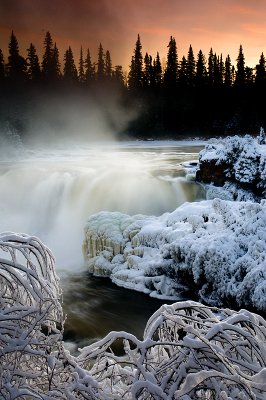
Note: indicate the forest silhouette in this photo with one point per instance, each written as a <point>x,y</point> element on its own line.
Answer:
<point>191,96</point>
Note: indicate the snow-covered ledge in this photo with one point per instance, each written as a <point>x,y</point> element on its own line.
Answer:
<point>215,248</point>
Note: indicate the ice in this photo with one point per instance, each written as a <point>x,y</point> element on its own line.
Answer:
<point>215,248</point>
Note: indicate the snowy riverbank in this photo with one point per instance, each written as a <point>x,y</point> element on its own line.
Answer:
<point>215,248</point>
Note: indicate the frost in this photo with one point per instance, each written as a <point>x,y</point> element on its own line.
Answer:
<point>215,248</point>
<point>188,351</point>
<point>242,158</point>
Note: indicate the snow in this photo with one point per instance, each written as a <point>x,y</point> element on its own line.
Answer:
<point>215,248</point>
<point>244,158</point>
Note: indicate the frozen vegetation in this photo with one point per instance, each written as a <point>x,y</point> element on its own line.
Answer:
<point>238,163</point>
<point>188,350</point>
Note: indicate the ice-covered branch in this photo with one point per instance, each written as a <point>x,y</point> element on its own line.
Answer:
<point>188,350</point>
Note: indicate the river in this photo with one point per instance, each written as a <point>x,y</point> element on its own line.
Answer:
<point>50,194</point>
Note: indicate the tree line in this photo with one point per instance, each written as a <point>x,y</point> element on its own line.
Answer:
<point>194,94</point>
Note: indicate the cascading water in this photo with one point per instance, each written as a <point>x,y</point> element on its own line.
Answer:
<point>51,194</point>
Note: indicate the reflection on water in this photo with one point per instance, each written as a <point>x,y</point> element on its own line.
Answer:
<point>95,306</point>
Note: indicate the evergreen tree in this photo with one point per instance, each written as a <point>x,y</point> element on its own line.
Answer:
<point>228,79</point>
<point>136,68</point>
<point>16,66</point>
<point>221,70</point>
<point>2,66</point>
<point>249,76</point>
<point>89,68</point>
<point>56,63</point>
<point>171,71</point>
<point>216,71</point>
<point>50,63</point>
<point>157,70</point>
<point>81,69</point>
<point>34,70</point>
<point>261,71</point>
<point>182,74</point>
<point>70,70</point>
<point>118,75</point>
<point>147,71</point>
<point>191,66</point>
<point>108,65</point>
<point>240,71</point>
<point>100,64</point>
<point>201,71</point>
<point>211,67</point>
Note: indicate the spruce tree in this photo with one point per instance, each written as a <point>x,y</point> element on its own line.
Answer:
<point>108,65</point>
<point>211,67</point>
<point>100,64</point>
<point>191,66</point>
<point>47,61</point>
<point>81,69</point>
<point>157,70</point>
<point>136,68</point>
<point>240,71</point>
<point>171,71</point>
<point>201,71</point>
<point>147,71</point>
<point>260,78</point>
<point>70,70</point>
<point>228,79</point>
<point>2,66</point>
<point>182,74</point>
<point>118,75</point>
<point>16,66</point>
<point>34,70</point>
<point>89,68</point>
<point>56,63</point>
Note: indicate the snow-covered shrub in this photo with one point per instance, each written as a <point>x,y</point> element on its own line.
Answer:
<point>188,350</point>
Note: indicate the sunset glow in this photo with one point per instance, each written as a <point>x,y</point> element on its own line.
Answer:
<point>222,25</point>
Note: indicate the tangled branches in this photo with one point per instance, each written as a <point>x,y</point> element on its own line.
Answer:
<point>189,351</point>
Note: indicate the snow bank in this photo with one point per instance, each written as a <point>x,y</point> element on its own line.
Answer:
<point>215,248</point>
<point>241,160</point>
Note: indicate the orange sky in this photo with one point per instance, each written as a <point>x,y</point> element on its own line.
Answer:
<point>220,24</point>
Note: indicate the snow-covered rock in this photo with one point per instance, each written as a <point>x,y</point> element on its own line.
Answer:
<point>214,248</point>
<point>239,160</point>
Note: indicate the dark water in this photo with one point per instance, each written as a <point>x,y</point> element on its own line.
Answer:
<point>95,306</point>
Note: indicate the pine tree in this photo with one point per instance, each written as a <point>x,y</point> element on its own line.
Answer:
<point>108,65</point>
<point>81,69</point>
<point>34,70</point>
<point>201,71</point>
<point>171,71</point>
<point>100,64</point>
<point>56,63</point>
<point>89,68</point>
<point>228,78</point>
<point>240,71</point>
<point>16,66</point>
<point>2,66</point>
<point>191,66</point>
<point>260,78</point>
<point>70,70</point>
<point>216,71</point>
<point>221,70</point>
<point>136,68</point>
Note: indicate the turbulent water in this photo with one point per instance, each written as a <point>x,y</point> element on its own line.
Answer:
<point>51,193</point>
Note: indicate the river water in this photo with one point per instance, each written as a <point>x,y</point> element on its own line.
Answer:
<point>51,193</point>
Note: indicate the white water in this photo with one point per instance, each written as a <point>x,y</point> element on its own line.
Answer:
<point>50,194</point>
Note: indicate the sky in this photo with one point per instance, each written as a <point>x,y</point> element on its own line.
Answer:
<point>220,24</point>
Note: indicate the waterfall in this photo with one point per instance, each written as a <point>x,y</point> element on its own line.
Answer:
<point>52,194</point>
